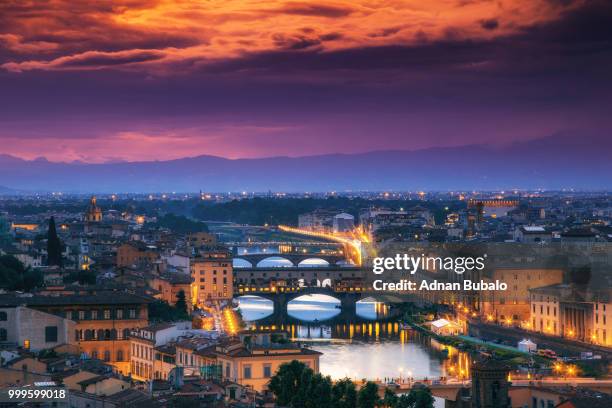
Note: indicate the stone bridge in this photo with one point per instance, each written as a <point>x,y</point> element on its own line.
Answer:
<point>280,300</point>
<point>291,259</point>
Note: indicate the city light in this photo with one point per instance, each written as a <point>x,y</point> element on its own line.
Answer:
<point>354,244</point>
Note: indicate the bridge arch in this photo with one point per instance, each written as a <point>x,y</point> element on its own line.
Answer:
<point>241,263</point>
<point>275,262</point>
<point>313,263</point>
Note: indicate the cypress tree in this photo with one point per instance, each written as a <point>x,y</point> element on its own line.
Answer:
<point>54,245</point>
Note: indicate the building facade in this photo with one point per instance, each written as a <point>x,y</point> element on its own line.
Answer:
<point>573,312</point>
<point>134,253</point>
<point>213,277</point>
<point>253,362</point>
<point>34,329</point>
<point>103,321</point>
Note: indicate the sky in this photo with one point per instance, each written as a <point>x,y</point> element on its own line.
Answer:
<point>138,80</point>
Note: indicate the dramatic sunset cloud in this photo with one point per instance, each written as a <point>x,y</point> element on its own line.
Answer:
<point>143,80</point>
<point>166,36</point>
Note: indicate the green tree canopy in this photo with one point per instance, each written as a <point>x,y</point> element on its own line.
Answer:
<point>344,394</point>
<point>15,276</point>
<point>297,386</point>
<point>180,224</point>
<point>367,397</point>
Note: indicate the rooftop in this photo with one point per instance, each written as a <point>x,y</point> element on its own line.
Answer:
<point>97,298</point>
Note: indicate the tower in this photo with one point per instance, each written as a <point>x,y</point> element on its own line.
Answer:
<point>490,384</point>
<point>94,213</point>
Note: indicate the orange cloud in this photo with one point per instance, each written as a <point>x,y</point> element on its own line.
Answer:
<point>168,36</point>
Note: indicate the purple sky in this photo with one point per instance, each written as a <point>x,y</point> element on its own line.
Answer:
<point>297,79</point>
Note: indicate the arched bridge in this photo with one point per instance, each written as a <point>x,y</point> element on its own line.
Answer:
<point>281,299</point>
<point>287,260</point>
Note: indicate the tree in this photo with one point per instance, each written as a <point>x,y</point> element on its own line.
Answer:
<point>181,304</point>
<point>344,394</point>
<point>15,276</point>
<point>180,224</point>
<point>162,311</point>
<point>54,245</point>
<point>83,277</point>
<point>390,399</point>
<point>285,384</point>
<point>368,396</point>
<point>320,392</point>
<point>297,386</point>
<point>418,397</point>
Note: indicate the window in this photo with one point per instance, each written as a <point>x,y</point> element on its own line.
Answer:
<point>107,356</point>
<point>81,315</point>
<point>247,371</point>
<point>3,317</point>
<point>227,370</point>
<point>267,371</point>
<point>132,313</point>
<point>120,355</point>
<point>3,334</point>
<point>119,313</point>
<point>107,314</point>
<point>50,334</point>
<point>94,315</point>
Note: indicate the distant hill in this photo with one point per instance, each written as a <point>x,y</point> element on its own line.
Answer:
<point>560,161</point>
<point>8,191</point>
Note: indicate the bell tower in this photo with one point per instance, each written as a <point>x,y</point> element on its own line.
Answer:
<point>94,213</point>
<point>490,384</point>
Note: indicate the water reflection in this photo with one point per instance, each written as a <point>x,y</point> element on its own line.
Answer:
<point>373,350</point>
<point>376,350</point>
<point>254,307</point>
<point>371,309</point>
<point>309,308</point>
<point>312,308</point>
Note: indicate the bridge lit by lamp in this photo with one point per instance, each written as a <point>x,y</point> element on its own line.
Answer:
<point>353,245</point>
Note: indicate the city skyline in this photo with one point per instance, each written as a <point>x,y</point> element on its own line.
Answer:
<point>143,81</point>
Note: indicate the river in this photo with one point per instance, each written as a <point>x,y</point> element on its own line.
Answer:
<point>371,347</point>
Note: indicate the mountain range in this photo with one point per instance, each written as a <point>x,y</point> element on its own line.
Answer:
<point>564,160</point>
